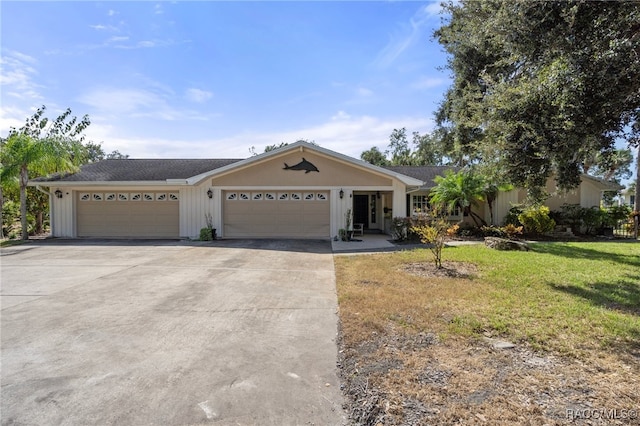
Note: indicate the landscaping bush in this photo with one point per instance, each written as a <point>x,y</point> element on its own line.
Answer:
<point>10,218</point>
<point>593,219</point>
<point>492,231</point>
<point>402,227</point>
<point>571,215</point>
<point>512,217</point>
<point>536,220</point>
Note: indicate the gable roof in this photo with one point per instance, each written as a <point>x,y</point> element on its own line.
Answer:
<point>139,170</point>
<point>303,146</point>
<point>194,171</point>
<point>426,174</point>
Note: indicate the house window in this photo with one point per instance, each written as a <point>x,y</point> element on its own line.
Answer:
<point>420,204</point>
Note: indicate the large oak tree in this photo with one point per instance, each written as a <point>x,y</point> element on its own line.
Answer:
<point>539,87</point>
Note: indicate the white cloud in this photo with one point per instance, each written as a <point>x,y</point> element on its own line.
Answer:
<point>16,75</point>
<point>341,115</point>
<point>364,92</point>
<point>111,12</point>
<point>433,8</point>
<point>11,116</point>
<point>407,36</point>
<point>341,133</point>
<point>429,82</point>
<point>158,9</point>
<point>197,95</point>
<point>100,27</point>
<point>117,39</point>
<point>137,103</point>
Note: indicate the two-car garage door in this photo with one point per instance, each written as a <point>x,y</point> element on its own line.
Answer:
<point>128,214</point>
<point>276,214</point>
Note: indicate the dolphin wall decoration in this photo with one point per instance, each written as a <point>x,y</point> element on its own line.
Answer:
<point>303,165</point>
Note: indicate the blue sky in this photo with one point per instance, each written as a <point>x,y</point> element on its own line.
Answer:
<point>211,79</point>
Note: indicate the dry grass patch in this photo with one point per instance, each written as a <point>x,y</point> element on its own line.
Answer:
<point>418,349</point>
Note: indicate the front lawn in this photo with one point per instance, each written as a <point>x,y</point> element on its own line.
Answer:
<point>418,349</point>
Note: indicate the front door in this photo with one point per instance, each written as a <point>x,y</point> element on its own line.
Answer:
<point>361,210</point>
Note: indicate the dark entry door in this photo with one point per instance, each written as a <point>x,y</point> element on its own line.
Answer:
<point>361,210</point>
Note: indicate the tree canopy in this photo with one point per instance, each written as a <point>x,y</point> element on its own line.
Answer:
<point>41,147</point>
<point>540,87</point>
<point>424,150</point>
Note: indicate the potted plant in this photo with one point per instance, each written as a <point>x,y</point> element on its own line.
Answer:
<point>208,233</point>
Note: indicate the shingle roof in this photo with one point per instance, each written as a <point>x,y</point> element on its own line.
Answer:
<point>141,170</point>
<point>423,173</point>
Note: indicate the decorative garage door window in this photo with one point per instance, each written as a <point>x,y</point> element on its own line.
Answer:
<point>273,196</point>
<point>128,196</point>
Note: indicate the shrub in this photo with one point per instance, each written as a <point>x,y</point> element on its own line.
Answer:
<point>572,215</point>
<point>593,219</point>
<point>399,228</point>
<point>205,234</point>
<point>512,216</point>
<point>402,227</point>
<point>536,220</point>
<point>512,231</point>
<point>434,233</point>
<point>10,217</point>
<point>492,231</point>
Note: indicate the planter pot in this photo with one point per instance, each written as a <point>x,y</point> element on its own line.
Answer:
<point>213,233</point>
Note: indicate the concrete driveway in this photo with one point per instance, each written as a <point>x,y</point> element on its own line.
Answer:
<point>169,333</point>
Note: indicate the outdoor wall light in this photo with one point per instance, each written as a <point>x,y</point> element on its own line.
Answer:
<point>341,194</point>
<point>58,193</point>
<point>210,193</point>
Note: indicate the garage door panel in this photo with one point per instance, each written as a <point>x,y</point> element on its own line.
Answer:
<point>146,219</point>
<point>287,216</point>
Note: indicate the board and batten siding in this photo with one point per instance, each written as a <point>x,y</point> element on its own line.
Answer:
<point>62,213</point>
<point>501,206</point>
<point>195,204</point>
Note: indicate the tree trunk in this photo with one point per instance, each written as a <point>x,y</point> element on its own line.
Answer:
<point>39,223</point>
<point>24,178</point>
<point>1,206</point>
<point>637,200</point>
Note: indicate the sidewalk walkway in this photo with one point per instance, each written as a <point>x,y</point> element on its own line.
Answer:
<point>374,243</point>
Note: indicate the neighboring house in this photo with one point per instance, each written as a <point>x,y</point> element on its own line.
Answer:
<point>298,191</point>
<point>588,194</point>
<point>628,198</point>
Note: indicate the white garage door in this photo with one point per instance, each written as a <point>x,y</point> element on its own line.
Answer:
<point>278,214</point>
<point>128,214</point>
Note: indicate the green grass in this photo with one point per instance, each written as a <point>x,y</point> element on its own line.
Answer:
<point>564,297</point>
<point>9,243</point>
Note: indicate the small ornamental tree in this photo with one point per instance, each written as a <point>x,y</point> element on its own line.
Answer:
<point>434,233</point>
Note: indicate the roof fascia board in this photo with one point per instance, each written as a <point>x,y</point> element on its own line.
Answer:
<point>604,183</point>
<point>302,147</point>
<point>169,182</point>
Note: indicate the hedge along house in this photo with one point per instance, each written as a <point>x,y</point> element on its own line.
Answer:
<point>298,191</point>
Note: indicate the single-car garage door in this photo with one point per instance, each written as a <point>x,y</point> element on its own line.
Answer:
<point>128,214</point>
<point>277,214</point>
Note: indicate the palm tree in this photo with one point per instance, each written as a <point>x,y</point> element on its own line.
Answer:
<point>463,190</point>
<point>21,154</point>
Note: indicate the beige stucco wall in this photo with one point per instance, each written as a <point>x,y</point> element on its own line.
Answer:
<point>271,173</point>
